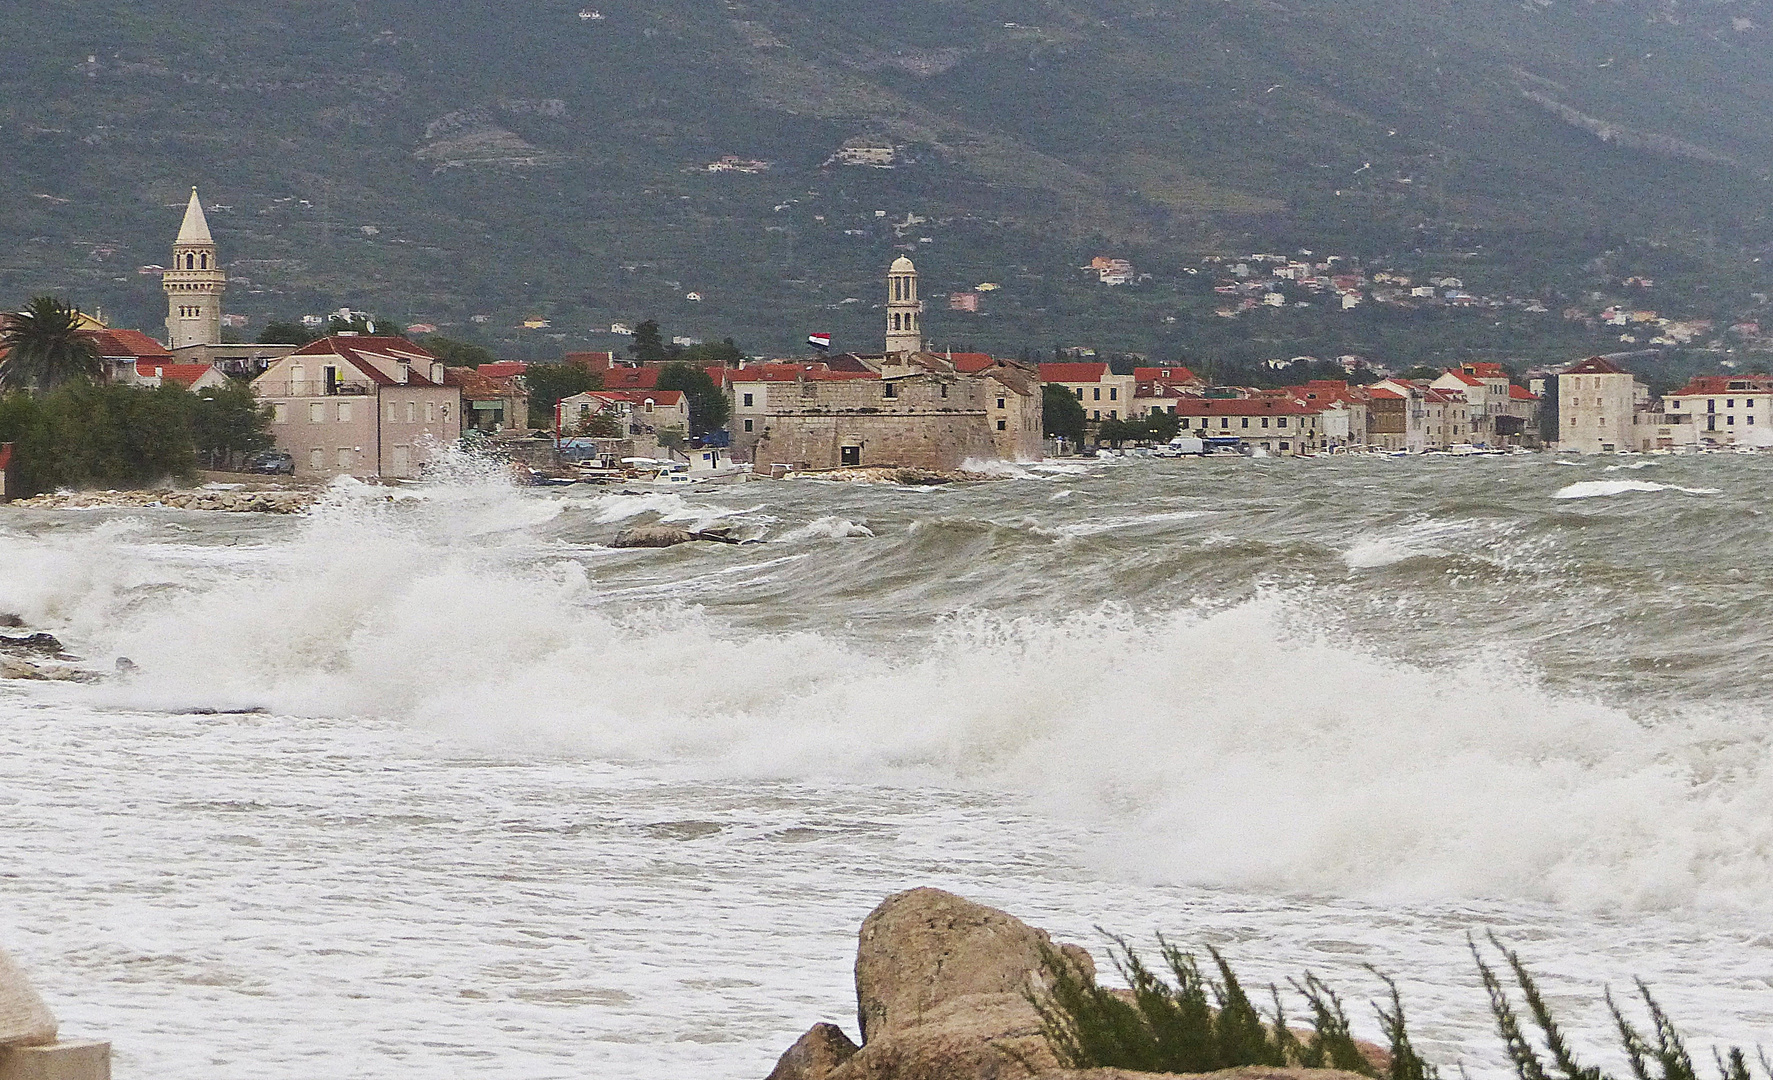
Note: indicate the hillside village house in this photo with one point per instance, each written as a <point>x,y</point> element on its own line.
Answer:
<point>1598,408</point>
<point>352,405</point>
<point>1103,394</point>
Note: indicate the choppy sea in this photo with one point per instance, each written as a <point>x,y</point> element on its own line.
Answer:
<point>442,785</point>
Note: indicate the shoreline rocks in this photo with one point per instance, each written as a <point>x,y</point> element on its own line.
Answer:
<point>664,536</point>
<point>275,501</point>
<point>942,993</point>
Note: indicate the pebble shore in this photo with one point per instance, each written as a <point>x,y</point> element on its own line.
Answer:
<point>240,502</point>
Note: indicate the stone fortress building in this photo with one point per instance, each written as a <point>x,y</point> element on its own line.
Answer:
<point>194,284</point>
<point>907,407</point>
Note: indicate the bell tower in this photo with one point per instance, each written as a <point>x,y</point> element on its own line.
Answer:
<point>904,309</point>
<point>194,284</point>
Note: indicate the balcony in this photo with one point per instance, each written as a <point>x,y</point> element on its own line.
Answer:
<point>301,388</point>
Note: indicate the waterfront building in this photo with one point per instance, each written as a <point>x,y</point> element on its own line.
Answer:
<point>1723,410</point>
<point>1277,424</point>
<point>1598,408</point>
<point>194,283</point>
<point>1103,394</point>
<point>358,405</point>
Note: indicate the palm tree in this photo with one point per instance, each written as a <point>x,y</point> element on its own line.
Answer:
<point>45,347</point>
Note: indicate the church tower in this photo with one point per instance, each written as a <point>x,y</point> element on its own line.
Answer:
<point>904,309</point>
<point>194,284</point>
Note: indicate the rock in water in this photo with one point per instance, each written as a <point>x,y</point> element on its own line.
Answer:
<point>818,1052</point>
<point>940,992</point>
<point>45,644</point>
<point>24,1019</point>
<point>652,536</point>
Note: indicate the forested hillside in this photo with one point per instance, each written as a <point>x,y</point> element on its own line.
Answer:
<point>549,159</point>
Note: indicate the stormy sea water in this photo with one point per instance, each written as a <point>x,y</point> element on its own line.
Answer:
<point>441,784</point>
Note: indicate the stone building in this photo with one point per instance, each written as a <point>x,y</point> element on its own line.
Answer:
<point>904,308</point>
<point>1598,406</point>
<point>355,405</point>
<point>194,283</point>
<point>919,412</point>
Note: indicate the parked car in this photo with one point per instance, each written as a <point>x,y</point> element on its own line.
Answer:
<point>271,463</point>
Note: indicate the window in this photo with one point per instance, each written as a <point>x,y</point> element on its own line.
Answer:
<point>1285,445</point>
<point>1080,393</point>
<point>1246,421</point>
<point>443,410</point>
<point>748,404</point>
<point>1281,422</point>
<point>1265,421</point>
<point>1711,404</point>
<point>1730,404</point>
<point>1730,420</point>
<point>1114,393</point>
<point>316,413</point>
<point>345,457</point>
<point>279,412</point>
<point>1002,426</point>
<point>890,390</point>
<point>391,414</point>
<point>1097,391</point>
<point>1114,414</point>
<point>1098,415</point>
<point>430,412</point>
<point>344,412</point>
<point>944,389</point>
<point>317,458</point>
<point>1000,403</point>
<point>1225,421</point>
<point>412,411</point>
<point>747,425</point>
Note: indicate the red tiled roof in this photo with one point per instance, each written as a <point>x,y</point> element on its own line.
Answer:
<point>120,344</point>
<point>640,397</point>
<point>475,384</point>
<point>1594,365</point>
<point>1720,384</point>
<point>1263,406</point>
<point>182,374</point>
<point>1485,370</point>
<point>1521,393</point>
<point>1073,372</point>
<point>351,350</point>
<point>503,369</point>
<point>971,362</point>
<point>1175,373</point>
<point>630,378</point>
<point>1388,395</point>
<point>1464,378</point>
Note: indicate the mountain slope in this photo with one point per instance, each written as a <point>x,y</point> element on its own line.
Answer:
<point>543,158</point>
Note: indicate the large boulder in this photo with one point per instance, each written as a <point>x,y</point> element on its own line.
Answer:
<point>925,948</point>
<point>1247,1072</point>
<point>818,1052</point>
<point>941,991</point>
<point>24,1019</point>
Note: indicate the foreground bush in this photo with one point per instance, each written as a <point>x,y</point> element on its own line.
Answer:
<point>1196,1023</point>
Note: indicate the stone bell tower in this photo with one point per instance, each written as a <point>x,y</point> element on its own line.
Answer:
<point>904,309</point>
<point>194,284</point>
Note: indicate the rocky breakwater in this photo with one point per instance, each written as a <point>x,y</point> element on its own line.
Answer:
<point>240,502</point>
<point>943,990</point>
<point>29,1046</point>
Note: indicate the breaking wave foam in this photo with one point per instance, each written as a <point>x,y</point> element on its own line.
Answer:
<point>1595,489</point>
<point>1209,745</point>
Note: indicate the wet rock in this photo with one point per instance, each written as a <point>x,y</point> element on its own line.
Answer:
<point>10,621</point>
<point>662,536</point>
<point>43,644</point>
<point>652,536</point>
<point>24,1019</point>
<point>925,948</point>
<point>815,1055</point>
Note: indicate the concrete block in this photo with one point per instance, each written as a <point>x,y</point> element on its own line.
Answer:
<point>57,1061</point>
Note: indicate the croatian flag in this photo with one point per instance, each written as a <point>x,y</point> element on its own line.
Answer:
<point>819,341</point>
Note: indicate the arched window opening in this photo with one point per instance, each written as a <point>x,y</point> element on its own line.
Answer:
<point>204,261</point>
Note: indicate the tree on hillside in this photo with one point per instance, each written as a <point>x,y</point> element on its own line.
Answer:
<point>278,332</point>
<point>457,353</point>
<point>708,404</point>
<point>548,383</point>
<point>1061,413</point>
<point>45,347</point>
<point>725,353</point>
<point>648,343</point>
